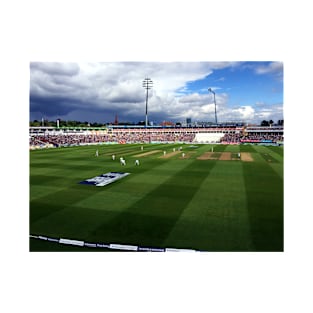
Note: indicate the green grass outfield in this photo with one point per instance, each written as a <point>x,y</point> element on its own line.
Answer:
<point>207,205</point>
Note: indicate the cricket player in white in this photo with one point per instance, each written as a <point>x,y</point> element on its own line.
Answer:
<point>183,155</point>
<point>97,153</point>
<point>137,162</point>
<point>113,157</point>
<point>164,152</point>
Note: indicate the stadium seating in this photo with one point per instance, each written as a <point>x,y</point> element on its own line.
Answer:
<point>225,135</point>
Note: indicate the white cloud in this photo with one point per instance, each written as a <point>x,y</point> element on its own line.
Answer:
<point>271,68</point>
<point>116,85</point>
<point>195,98</point>
<point>273,112</point>
<point>105,89</point>
<point>55,68</point>
<point>244,112</point>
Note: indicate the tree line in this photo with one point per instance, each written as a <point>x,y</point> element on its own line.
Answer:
<point>271,123</point>
<point>36,123</point>
<point>72,123</point>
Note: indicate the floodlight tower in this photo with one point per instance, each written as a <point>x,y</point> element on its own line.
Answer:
<point>147,84</point>
<point>214,104</point>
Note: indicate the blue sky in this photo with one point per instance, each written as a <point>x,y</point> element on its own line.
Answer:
<point>95,92</point>
<point>243,84</point>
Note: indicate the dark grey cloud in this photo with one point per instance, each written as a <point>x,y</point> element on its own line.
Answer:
<point>52,106</point>
<point>98,91</point>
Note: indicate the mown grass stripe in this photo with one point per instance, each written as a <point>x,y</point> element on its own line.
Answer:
<point>98,198</point>
<point>276,149</point>
<point>217,218</point>
<point>273,159</point>
<point>72,222</point>
<point>161,202</point>
<point>150,220</point>
<point>264,190</point>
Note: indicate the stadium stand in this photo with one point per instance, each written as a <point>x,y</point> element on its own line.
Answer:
<point>46,137</point>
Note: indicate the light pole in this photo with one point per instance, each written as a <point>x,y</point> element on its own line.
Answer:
<point>214,104</point>
<point>147,84</point>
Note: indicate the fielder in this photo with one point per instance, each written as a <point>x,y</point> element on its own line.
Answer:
<point>113,157</point>
<point>97,153</point>
<point>137,162</point>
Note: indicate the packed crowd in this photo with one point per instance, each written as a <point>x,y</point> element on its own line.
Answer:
<point>231,138</point>
<point>72,140</point>
<point>144,137</point>
<point>239,138</point>
<point>65,140</point>
<point>263,137</point>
